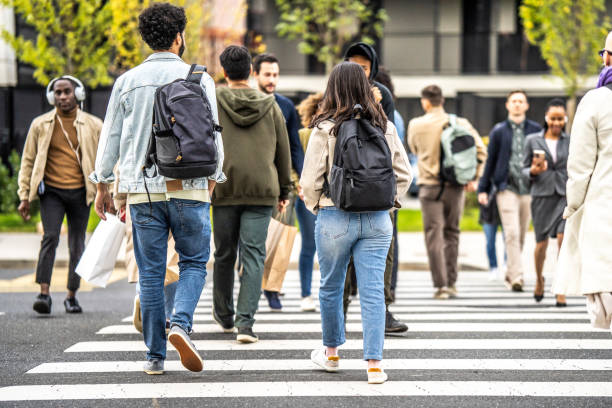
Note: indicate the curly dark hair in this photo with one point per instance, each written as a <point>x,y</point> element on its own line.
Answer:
<point>159,24</point>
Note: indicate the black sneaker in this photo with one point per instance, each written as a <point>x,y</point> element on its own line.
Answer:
<point>42,304</point>
<point>72,305</point>
<point>393,325</point>
<point>246,335</point>
<point>227,327</point>
<point>273,301</point>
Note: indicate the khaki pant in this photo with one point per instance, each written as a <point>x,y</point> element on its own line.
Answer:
<point>441,226</point>
<point>515,214</point>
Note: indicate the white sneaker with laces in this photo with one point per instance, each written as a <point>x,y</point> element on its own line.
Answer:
<point>308,304</point>
<point>493,274</point>
<point>328,363</point>
<point>376,376</point>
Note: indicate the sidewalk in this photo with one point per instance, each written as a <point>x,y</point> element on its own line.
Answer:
<point>20,250</point>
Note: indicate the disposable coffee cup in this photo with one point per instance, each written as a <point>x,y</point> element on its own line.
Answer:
<point>539,153</point>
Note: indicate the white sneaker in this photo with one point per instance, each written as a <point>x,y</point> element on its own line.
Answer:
<point>376,376</point>
<point>329,364</point>
<point>493,274</point>
<point>308,304</point>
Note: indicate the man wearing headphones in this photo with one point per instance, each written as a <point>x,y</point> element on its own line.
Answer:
<point>59,154</point>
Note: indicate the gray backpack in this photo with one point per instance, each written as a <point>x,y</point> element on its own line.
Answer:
<point>458,160</point>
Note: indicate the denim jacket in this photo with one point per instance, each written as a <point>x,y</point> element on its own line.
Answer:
<point>128,122</point>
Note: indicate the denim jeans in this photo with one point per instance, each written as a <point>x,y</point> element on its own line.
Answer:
<point>306,220</point>
<point>367,237</point>
<point>169,293</point>
<point>490,231</point>
<point>189,222</point>
<point>246,225</point>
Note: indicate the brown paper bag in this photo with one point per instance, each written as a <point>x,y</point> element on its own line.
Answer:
<point>279,244</point>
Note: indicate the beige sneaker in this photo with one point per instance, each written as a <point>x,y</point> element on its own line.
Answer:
<point>136,316</point>
<point>376,376</point>
<point>328,363</point>
<point>441,294</point>
<point>452,291</point>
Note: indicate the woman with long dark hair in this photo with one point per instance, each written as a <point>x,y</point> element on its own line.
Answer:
<point>340,234</point>
<point>545,164</point>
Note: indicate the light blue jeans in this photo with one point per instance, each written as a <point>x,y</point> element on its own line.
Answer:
<point>189,222</point>
<point>367,237</point>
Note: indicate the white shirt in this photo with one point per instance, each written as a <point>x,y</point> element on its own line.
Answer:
<point>552,146</point>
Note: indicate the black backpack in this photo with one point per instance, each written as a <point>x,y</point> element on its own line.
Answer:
<point>362,177</point>
<point>182,144</point>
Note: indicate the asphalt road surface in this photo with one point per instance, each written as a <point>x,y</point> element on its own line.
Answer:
<point>488,348</point>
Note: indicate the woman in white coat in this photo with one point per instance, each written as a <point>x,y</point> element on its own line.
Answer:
<point>585,261</point>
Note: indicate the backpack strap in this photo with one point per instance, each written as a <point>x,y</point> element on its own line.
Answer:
<point>452,119</point>
<point>195,73</point>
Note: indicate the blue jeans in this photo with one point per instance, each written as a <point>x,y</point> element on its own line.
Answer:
<point>169,293</point>
<point>189,222</point>
<point>490,231</point>
<point>367,237</point>
<point>306,220</point>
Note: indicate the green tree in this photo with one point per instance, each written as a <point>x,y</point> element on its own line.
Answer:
<point>71,39</point>
<point>325,26</point>
<point>568,33</point>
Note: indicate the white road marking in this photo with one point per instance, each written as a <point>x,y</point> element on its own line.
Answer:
<point>305,389</point>
<point>390,344</point>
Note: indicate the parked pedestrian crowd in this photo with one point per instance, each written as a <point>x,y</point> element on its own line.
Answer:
<point>174,149</point>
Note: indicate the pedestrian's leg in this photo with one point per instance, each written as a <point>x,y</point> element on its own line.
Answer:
<point>560,298</point>
<point>190,223</point>
<point>77,214</point>
<point>490,234</point>
<point>348,285</point>
<point>52,213</point>
<point>169,296</point>
<point>508,206</point>
<point>306,220</point>
<point>226,224</point>
<point>525,217</point>
<point>254,222</point>
<point>389,265</point>
<point>150,226</point>
<point>433,227</point>
<point>453,199</point>
<point>335,237</point>
<point>539,257</point>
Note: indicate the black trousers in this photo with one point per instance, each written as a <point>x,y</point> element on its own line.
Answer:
<point>54,204</point>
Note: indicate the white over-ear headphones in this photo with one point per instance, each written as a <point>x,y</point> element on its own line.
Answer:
<point>79,90</point>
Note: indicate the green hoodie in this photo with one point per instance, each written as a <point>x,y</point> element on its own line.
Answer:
<point>257,157</point>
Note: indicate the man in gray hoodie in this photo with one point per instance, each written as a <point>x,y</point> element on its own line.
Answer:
<point>257,166</point>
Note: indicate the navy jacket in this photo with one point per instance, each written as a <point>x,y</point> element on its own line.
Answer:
<point>293,125</point>
<point>498,159</point>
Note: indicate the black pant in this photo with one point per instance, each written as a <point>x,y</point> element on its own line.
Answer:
<point>54,204</point>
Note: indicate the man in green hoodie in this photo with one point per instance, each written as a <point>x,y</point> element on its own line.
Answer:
<point>257,164</point>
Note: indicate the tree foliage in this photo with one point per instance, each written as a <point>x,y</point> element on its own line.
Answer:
<point>71,38</point>
<point>568,34</point>
<point>325,26</point>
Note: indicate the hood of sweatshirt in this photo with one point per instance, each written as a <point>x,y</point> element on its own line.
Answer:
<point>244,106</point>
<point>367,51</point>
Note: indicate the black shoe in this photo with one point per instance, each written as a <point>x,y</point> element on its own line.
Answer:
<point>72,305</point>
<point>560,304</point>
<point>228,327</point>
<point>246,335</point>
<point>393,325</point>
<point>273,301</point>
<point>42,304</point>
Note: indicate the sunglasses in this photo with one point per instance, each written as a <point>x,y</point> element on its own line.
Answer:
<point>601,52</point>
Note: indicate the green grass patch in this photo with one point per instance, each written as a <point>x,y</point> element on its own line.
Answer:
<point>412,220</point>
<point>12,222</point>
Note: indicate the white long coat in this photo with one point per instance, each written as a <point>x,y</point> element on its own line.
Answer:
<point>585,260</point>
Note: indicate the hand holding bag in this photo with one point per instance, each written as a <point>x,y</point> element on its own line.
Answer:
<point>98,260</point>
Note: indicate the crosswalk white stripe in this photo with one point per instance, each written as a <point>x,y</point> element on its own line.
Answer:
<point>404,295</point>
<point>345,364</point>
<point>410,317</point>
<point>353,344</point>
<point>429,302</point>
<point>305,389</point>
<point>441,307</point>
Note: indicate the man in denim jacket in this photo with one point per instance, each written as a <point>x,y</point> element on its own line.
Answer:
<point>180,206</point>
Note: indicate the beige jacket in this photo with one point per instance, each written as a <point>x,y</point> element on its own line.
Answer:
<point>584,261</point>
<point>424,134</point>
<point>320,157</point>
<point>34,158</point>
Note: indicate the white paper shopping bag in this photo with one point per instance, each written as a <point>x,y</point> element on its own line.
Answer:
<point>98,260</point>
